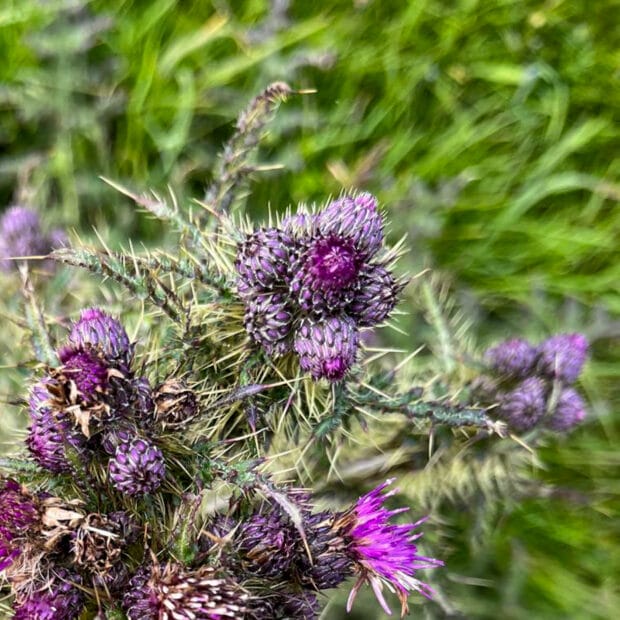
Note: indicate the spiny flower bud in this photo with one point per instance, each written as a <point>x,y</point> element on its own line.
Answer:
<point>525,405</point>
<point>20,236</point>
<point>511,358</point>
<point>59,599</point>
<point>176,404</point>
<point>268,320</point>
<point>96,328</point>
<point>570,410</point>
<point>357,218</point>
<point>172,592</point>
<point>19,511</point>
<point>374,297</point>
<point>137,467</point>
<point>327,349</point>
<point>263,260</point>
<point>563,356</point>
<point>52,433</point>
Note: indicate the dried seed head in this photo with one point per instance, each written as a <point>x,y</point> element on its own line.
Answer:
<point>176,404</point>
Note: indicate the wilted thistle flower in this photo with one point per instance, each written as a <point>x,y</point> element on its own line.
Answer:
<point>58,599</point>
<point>511,358</point>
<point>570,410</point>
<point>383,553</point>
<point>562,356</point>
<point>525,405</point>
<point>21,235</point>
<point>96,328</point>
<point>171,592</point>
<point>137,467</point>
<point>52,432</point>
<point>327,349</point>
<point>176,404</point>
<point>19,511</point>
<point>86,370</point>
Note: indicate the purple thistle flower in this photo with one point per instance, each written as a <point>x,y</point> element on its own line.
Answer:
<point>51,432</point>
<point>268,320</point>
<point>384,552</point>
<point>375,296</point>
<point>563,356</point>
<point>525,405</point>
<point>137,467</point>
<point>96,328</point>
<point>327,349</point>
<point>300,225</point>
<point>324,274</point>
<point>264,260</point>
<point>356,218</point>
<point>171,591</point>
<point>569,411</point>
<point>21,235</point>
<point>86,370</point>
<point>19,513</point>
<point>302,605</point>
<point>59,599</point>
<point>512,358</point>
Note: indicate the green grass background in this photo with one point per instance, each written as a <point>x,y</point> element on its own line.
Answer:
<point>488,129</point>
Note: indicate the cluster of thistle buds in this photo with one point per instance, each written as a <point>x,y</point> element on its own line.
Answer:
<point>21,236</point>
<point>533,386</point>
<point>312,283</point>
<point>89,537</point>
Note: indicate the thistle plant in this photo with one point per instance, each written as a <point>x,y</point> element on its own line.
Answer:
<point>155,478</point>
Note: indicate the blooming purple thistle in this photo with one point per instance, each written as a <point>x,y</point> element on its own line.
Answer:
<point>375,296</point>
<point>383,552</point>
<point>563,356</point>
<point>525,405</point>
<point>324,274</point>
<point>263,261</point>
<point>166,592</point>
<point>51,432</point>
<point>60,599</point>
<point>268,320</point>
<point>19,513</point>
<point>85,369</point>
<point>570,410</point>
<point>354,217</point>
<point>96,328</point>
<point>511,358</point>
<point>327,349</point>
<point>21,235</point>
<point>137,467</point>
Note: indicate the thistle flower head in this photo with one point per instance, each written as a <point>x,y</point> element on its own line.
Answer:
<point>327,349</point>
<point>356,218</point>
<point>137,467</point>
<point>52,433</point>
<point>512,358</point>
<point>96,328</point>
<point>268,320</point>
<point>384,553</point>
<point>171,592</point>
<point>563,356</point>
<point>59,599</point>
<point>18,512</point>
<point>264,260</point>
<point>524,406</point>
<point>21,235</point>
<point>570,410</point>
<point>375,295</point>
<point>84,368</point>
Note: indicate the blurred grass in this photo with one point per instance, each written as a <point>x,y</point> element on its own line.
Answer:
<point>488,129</point>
